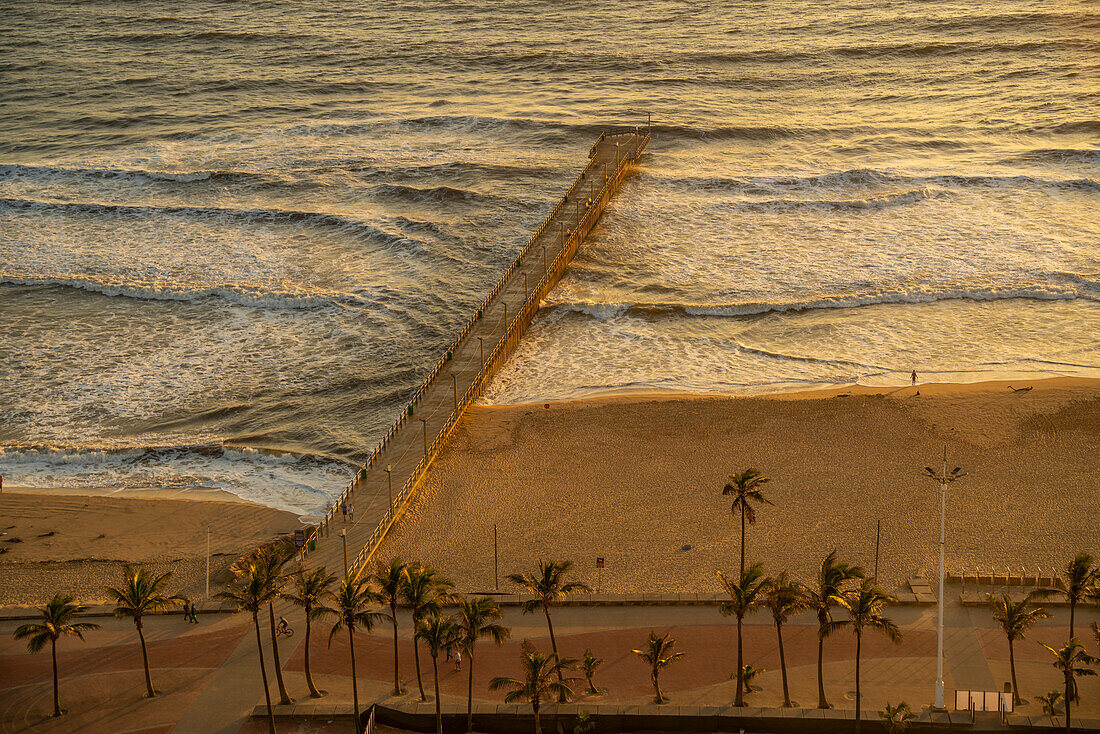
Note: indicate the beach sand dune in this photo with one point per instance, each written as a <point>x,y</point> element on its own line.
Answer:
<point>638,480</point>
<point>77,544</point>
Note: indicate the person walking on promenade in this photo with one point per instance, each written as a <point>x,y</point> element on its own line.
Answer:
<point>351,513</point>
<point>194,614</point>
<point>344,510</point>
<point>458,661</point>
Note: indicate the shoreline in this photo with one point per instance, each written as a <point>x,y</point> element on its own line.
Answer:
<point>813,393</point>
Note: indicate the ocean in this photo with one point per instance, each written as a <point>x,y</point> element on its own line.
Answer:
<point>234,237</point>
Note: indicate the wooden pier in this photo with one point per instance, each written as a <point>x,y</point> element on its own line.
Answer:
<point>390,477</point>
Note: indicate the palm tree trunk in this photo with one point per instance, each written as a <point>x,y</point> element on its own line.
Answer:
<point>657,687</point>
<point>535,708</point>
<point>739,700</point>
<point>1072,608</point>
<point>822,703</point>
<point>859,640</point>
<point>1016,700</point>
<point>470,691</point>
<point>284,699</point>
<point>263,674</point>
<point>396,680</point>
<point>782,663</point>
<point>438,709</point>
<point>554,645</point>
<point>313,692</point>
<point>1069,694</point>
<point>354,680</point>
<point>419,679</point>
<point>742,542</point>
<point>145,659</point>
<point>56,695</point>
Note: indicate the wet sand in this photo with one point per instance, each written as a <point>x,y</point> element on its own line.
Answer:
<point>59,541</point>
<point>638,480</point>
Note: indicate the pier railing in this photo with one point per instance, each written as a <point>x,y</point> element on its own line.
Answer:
<point>504,345</point>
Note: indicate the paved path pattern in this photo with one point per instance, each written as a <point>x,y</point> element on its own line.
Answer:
<point>390,476</point>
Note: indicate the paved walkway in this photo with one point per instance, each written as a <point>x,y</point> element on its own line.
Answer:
<point>210,679</point>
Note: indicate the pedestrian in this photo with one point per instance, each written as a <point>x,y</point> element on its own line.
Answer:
<point>186,611</point>
<point>458,660</point>
<point>344,510</point>
<point>351,513</point>
<point>913,377</point>
<point>194,613</point>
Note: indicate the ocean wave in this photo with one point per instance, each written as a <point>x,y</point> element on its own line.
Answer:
<point>20,172</point>
<point>243,295</point>
<point>867,177</point>
<point>877,201</point>
<point>1058,155</point>
<point>75,455</point>
<point>242,216</point>
<point>608,311</point>
<point>448,194</point>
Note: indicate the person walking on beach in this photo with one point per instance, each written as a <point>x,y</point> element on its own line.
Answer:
<point>913,377</point>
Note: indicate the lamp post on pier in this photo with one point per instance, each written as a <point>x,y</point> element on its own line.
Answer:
<point>424,422</point>
<point>544,259</point>
<point>481,341</point>
<point>344,537</point>
<point>389,477</point>
<point>526,295</point>
<point>454,379</point>
<point>944,479</point>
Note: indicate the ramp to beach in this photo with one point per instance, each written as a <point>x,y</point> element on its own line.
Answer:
<point>391,475</point>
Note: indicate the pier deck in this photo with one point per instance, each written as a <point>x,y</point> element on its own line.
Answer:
<point>388,480</point>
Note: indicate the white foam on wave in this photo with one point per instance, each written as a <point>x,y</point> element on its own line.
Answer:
<point>299,483</point>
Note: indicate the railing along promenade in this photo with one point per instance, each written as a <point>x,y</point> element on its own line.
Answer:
<point>403,455</point>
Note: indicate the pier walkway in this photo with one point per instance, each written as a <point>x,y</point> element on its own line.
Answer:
<point>392,473</point>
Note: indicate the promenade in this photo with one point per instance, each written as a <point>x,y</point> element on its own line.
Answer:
<point>193,665</point>
<point>391,474</point>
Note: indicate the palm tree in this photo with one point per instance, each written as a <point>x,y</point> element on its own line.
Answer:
<point>547,587</point>
<point>426,592</point>
<point>1073,661</point>
<point>785,598</point>
<point>745,595</point>
<point>898,718</point>
<point>476,619</point>
<point>136,597</point>
<point>352,600</point>
<point>658,655</point>
<point>310,592</point>
<point>250,590</point>
<point>392,579</point>
<point>822,598</point>
<point>745,487</point>
<point>1050,702</point>
<point>57,618</point>
<point>273,558</point>
<point>864,606</point>
<point>438,634</point>
<point>538,682</point>
<point>1015,619</point>
<point>1081,582</point>
<point>589,664</point>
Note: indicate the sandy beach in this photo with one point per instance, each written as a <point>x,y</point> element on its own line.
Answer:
<point>638,480</point>
<point>62,541</point>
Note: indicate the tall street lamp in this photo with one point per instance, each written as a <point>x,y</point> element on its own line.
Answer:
<point>944,478</point>
<point>425,422</point>
<point>344,536</point>
<point>389,476</point>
